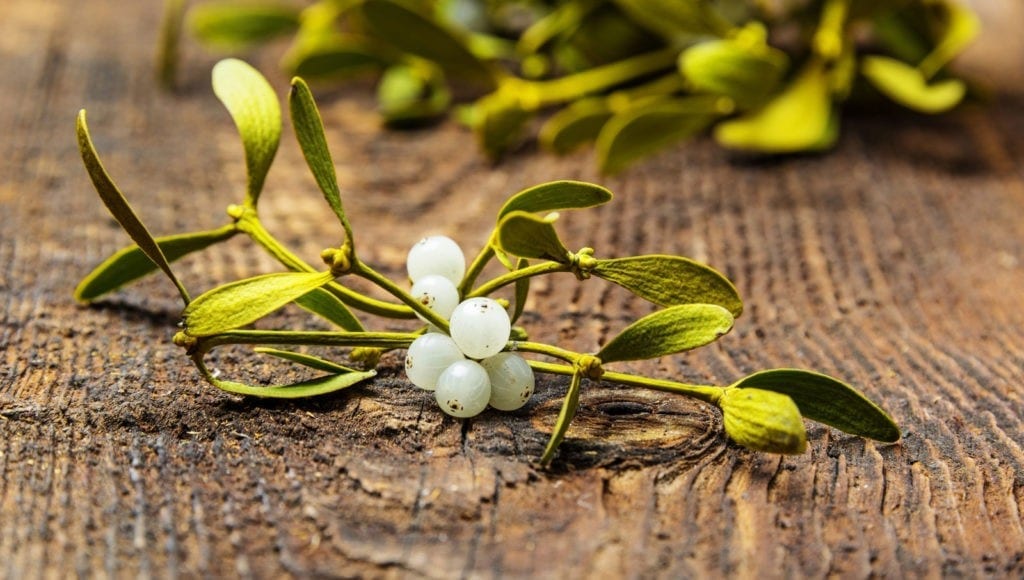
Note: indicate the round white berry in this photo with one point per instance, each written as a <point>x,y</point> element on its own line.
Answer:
<point>428,356</point>
<point>436,293</point>
<point>512,380</point>
<point>438,255</point>
<point>463,389</point>
<point>480,326</point>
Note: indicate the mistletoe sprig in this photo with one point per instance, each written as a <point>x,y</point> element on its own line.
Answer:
<point>629,76</point>
<point>468,351</point>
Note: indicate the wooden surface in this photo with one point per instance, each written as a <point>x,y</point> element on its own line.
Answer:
<point>895,263</point>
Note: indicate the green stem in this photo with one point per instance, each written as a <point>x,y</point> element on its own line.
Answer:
<point>602,78</point>
<point>361,269</point>
<point>385,340</point>
<point>511,277</point>
<point>548,350</point>
<point>706,393</point>
<point>249,222</point>
<point>477,266</point>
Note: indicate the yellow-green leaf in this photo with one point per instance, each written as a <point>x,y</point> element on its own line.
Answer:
<point>308,360</point>
<point>119,206</point>
<point>499,121</point>
<point>131,263</point>
<point>574,126</point>
<point>325,304</point>
<point>763,421</point>
<point>253,106</point>
<point>409,95</point>
<point>827,400</point>
<point>235,25</point>
<point>650,126</point>
<point>522,292</point>
<point>309,130</point>
<point>528,236</point>
<point>555,196</point>
<point>674,329</point>
<point>907,86</point>
<point>311,388</point>
<point>671,280</point>
<point>565,416</point>
<point>797,119</point>
<point>239,303</point>
<point>746,74</point>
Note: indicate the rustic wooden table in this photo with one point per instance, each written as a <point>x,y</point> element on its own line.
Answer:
<point>894,262</point>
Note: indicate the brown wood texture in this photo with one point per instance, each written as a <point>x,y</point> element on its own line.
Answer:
<point>895,262</point>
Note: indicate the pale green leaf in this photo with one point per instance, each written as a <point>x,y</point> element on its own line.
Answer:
<point>254,107</point>
<point>746,74</point>
<point>906,85</point>
<point>325,304</point>
<point>131,263</point>
<point>311,388</point>
<point>961,28</point>
<point>235,25</point>
<point>412,95</point>
<point>417,34</point>
<point>170,41</point>
<point>827,400</point>
<point>522,292</point>
<point>669,331</point>
<point>245,301</point>
<point>499,121</point>
<point>555,196</point>
<point>309,130</point>
<point>119,206</point>
<point>528,236</point>
<point>797,119</point>
<point>651,126</point>
<point>565,416</point>
<point>763,421</point>
<point>308,360</point>
<point>671,280</point>
<point>574,126</point>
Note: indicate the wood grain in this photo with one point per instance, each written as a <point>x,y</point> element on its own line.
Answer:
<point>894,262</point>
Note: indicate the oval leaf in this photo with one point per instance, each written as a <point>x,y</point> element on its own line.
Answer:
<point>423,37</point>
<point>555,196</point>
<point>906,85</point>
<point>522,292</point>
<point>763,421</point>
<point>797,119</point>
<point>333,57</point>
<point>310,388</point>
<point>234,25</point>
<point>827,400</point>
<point>671,280</point>
<point>673,19</point>
<point>674,329</point>
<point>746,74</point>
<point>309,130</point>
<point>119,206</point>
<point>325,304</point>
<point>565,416</point>
<point>499,121</point>
<point>253,106</point>
<point>131,263</point>
<point>308,360</point>
<point>962,26</point>
<point>408,96</point>
<point>574,126</point>
<point>234,305</point>
<point>650,126</point>
<point>528,236</point>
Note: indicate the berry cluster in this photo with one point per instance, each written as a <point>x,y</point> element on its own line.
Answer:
<point>465,368</point>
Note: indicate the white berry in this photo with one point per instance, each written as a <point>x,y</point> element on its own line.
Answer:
<point>438,255</point>
<point>480,326</point>
<point>428,356</point>
<point>512,380</point>
<point>436,293</point>
<point>463,389</point>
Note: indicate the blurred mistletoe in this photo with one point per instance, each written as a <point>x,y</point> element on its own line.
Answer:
<point>629,76</point>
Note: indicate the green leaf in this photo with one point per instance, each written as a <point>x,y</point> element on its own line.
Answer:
<point>907,86</point>
<point>412,95</point>
<point>313,362</point>
<point>309,130</point>
<point>671,280</point>
<point>311,388</point>
<point>528,236</point>
<point>234,25</point>
<point>962,27</point>
<point>748,74</point>
<point>253,106</point>
<point>565,416</point>
<point>827,400</point>
<point>131,263</point>
<point>574,126</point>
<point>119,206</point>
<point>417,34</point>
<point>651,126</point>
<point>797,119</point>
<point>674,329</point>
<point>555,196</point>
<point>330,307</point>
<point>763,421</point>
<point>234,305</point>
<point>522,292</point>
<point>170,40</point>
<point>499,121</point>
<point>333,57</point>
<point>674,19</point>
